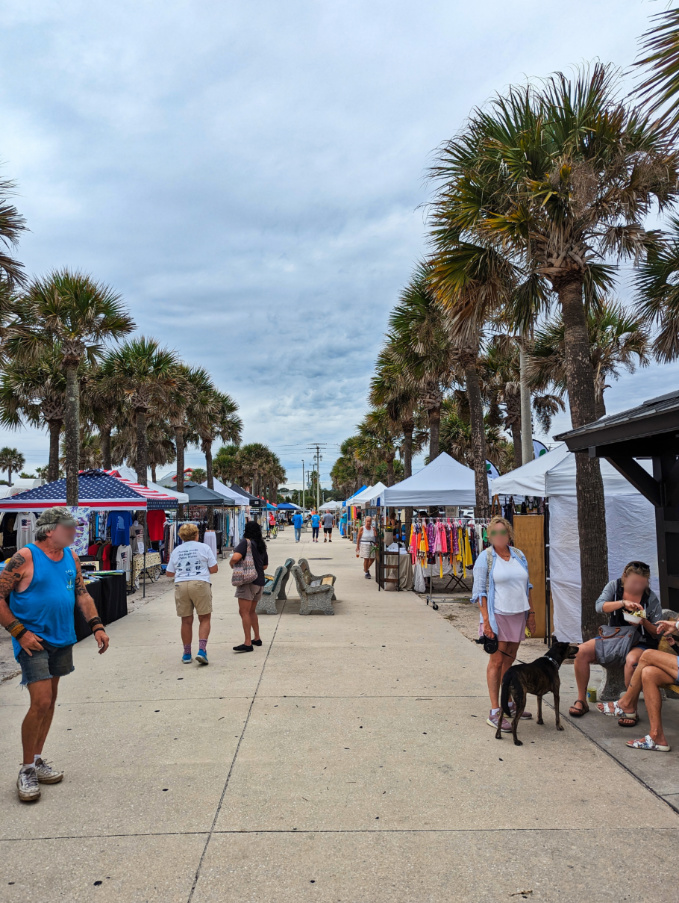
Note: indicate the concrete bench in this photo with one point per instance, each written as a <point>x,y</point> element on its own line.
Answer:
<point>274,590</point>
<point>313,580</point>
<point>313,598</point>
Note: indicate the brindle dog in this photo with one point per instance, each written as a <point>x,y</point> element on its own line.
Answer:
<point>538,677</point>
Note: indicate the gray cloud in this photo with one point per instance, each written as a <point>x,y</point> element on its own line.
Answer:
<point>250,176</point>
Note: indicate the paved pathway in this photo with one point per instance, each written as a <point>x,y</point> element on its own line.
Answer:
<point>346,761</point>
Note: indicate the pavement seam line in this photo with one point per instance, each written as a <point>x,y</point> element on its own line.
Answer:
<point>235,756</point>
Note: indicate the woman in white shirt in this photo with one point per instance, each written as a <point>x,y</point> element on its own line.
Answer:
<point>503,592</point>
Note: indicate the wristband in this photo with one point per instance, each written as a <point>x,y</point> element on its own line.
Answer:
<point>17,636</point>
<point>97,629</point>
<point>16,628</point>
<point>94,621</point>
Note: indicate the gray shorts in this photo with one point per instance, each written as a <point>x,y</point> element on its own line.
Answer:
<point>52,661</point>
<point>249,591</point>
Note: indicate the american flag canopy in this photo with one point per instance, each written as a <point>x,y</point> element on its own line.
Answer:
<point>154,499</point>
<point>96,489</point>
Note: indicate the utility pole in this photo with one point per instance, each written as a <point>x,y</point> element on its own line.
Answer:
<point>317,446</point>
<point>303,486</point>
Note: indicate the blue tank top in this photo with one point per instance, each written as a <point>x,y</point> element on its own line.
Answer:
<point>46,606</point>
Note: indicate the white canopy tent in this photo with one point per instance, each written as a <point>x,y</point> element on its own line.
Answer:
<point>331,506</point>
<point>230,495</point>
<point>628,518</point>
<point>366,496</point>
<point>442,482</point>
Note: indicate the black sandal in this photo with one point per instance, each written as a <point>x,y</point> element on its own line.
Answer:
<point>578,713</point>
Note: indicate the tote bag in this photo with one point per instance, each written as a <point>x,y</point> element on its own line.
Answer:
<point>245,571</point>
<point>613,643</point>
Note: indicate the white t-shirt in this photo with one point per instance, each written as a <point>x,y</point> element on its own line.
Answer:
<point>191,561</point>
<point>511,582</point>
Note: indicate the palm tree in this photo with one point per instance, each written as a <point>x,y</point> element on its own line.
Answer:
<point>160,448</point>
<point>660,46</point>
<point>560,175</point>
<point>423,347</point>
<point>377,440</point>
<point>658,293</point>
<point>11,460</point>
<point>617,339</point>
<point>146,374</point>
<point>473,281</point>
<point>33,394</point>
<point>390,388</point>
<point>214,417</point>
<point>12,224</point>
<point>104,399</point>
<point>77,314</point>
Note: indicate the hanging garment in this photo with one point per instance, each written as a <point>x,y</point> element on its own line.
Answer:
<point>155,522</point>
<point>210,539</point>
<point>124,558</point>
<point>119,523</point>
<point>25,527</point>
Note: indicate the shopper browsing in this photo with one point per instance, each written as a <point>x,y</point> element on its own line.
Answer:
<point>191,565</point>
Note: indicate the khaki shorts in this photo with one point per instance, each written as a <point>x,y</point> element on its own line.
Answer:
<point>190,594</point>
<point>249,591</point>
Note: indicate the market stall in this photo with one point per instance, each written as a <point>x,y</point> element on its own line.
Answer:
<point>442,483</point>
<point>105,508</point>
<point>629,518</point>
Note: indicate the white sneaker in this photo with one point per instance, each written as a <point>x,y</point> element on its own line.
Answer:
<point>27,784</point>
<point>47,774</point>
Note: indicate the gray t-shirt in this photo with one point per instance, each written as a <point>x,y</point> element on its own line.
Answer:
<point>328,521</point>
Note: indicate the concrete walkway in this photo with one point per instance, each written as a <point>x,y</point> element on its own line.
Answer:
<point>346,761</point>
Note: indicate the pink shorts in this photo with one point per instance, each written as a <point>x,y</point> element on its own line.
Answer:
<point>511,628</point>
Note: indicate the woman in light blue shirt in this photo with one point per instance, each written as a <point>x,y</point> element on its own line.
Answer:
<point>503,592</point>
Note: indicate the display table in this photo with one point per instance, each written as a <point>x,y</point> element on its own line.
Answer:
<point>110,598</point>
<point>151,565</point>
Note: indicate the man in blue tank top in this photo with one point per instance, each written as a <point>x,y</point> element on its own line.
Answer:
<point>39,588</point>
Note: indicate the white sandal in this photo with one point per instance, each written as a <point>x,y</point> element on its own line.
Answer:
<point>612,709</point>
<point>647,743</point>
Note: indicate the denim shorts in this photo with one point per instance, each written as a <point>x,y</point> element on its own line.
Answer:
<point>52,661</point>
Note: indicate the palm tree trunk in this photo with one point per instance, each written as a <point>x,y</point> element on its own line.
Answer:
<point>179,443</point>
<point>9,475</point>
<point>408,426</point>
<point>478,437</point>
<point>105,439</point>
<point>526,418</point>
<point>390,471</point>
<point>142,449</point>
<point>53,464</point>
<point>72,433</point>
<point>153,473</point>
<point>516,442</point>
<point>434,415</point>
<point>207,451</point>
<point>589,485</point>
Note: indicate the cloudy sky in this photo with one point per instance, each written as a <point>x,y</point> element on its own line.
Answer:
<point>250,176</point>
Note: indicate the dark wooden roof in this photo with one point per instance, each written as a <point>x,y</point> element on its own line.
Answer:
<point>651,428</point>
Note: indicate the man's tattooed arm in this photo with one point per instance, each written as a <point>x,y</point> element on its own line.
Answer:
<point>10,577</point>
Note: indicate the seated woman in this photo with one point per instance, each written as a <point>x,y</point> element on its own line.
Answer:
<point>631,592</point>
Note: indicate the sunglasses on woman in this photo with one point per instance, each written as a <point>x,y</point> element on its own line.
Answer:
<point>498,532</point>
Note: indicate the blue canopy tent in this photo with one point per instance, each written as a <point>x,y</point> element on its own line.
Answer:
<point>288,506</point>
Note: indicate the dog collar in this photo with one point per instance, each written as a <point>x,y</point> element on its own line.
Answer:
<point>548,656</point>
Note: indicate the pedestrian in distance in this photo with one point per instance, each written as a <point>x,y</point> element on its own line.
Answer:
<point>298,523</point>
<point>315,526</point>
<point>328,524</point>
<point>366,540</point>
<point>249,594</point>
<point>191,565</point>
<point>39,588</point>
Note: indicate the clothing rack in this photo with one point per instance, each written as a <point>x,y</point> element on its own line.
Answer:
<point>421,549</point>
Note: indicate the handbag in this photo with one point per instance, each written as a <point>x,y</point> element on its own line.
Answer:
<point>244,571</point>
<point>613,643</point>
